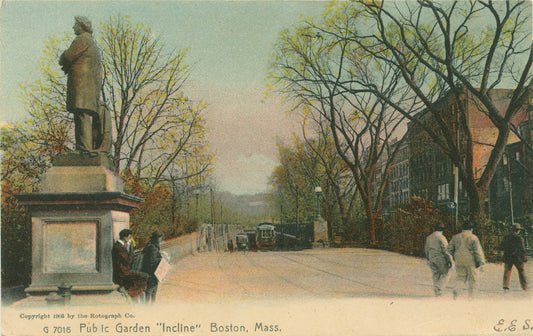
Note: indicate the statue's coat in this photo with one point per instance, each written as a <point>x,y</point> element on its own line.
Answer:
<point>82,62</point>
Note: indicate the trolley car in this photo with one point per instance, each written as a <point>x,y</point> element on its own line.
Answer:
<point>265,236</point>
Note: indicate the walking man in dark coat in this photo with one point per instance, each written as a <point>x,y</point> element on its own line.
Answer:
<point>151,259</point>
<point>134,283</point>
<point>515,254</point>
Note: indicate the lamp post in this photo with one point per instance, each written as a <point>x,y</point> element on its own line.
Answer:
<point>452,205</point>
<point>318,191</point>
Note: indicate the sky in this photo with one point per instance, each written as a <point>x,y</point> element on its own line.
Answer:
<point>229,43</point>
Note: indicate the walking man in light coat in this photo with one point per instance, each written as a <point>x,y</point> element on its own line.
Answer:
<point>438,258</point>
<point>469,258</point>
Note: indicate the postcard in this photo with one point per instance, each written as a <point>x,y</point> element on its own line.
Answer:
<point>280,168</point>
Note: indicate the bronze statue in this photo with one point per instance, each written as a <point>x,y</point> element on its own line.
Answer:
<point>82,63</point>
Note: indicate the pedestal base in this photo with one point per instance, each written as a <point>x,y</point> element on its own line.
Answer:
<point>320,231</point>
<point>73,236</point>
<point>73,230</point>
<point>80,289</point>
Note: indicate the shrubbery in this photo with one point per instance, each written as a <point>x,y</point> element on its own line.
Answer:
<point>406,230</point>
<point>159,211</point>
<point>16,243</point>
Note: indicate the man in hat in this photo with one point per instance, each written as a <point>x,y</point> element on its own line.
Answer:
<point>469,258</point>
<point>438,258</point>
<point>151,259</point>
<point>515,254</point>
<point>134,283</point>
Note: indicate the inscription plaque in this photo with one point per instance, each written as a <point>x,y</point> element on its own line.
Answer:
<point>70,247</point>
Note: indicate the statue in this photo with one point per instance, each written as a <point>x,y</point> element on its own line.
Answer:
<point>82,63</point>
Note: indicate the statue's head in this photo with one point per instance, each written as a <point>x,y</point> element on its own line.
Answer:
<point>83,23</point>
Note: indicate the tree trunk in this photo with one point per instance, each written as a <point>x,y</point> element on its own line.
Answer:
<point>476,198</point>
<point>371,222</point>
<point>477,212</point>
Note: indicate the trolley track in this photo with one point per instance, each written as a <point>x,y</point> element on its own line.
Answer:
<point>280,276</point>
<point>335,274</point>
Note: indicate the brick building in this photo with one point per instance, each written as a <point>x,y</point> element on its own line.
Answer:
<point>422,169</point>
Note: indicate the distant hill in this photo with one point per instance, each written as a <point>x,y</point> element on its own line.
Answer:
<point>252,207</point>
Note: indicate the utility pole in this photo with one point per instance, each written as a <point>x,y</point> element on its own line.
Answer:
<point>506,155</point>
<point>456,197</point>
<point>212,206</point>
<point>456,167</point>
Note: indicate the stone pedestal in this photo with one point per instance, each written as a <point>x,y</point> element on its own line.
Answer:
<point>76,216</point>
<point>320,231</point>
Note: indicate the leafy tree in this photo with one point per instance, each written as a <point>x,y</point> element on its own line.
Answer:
<point>305,164</point>
<point>16,247</point>
<point>317,66</point>
<point>153,213</point>
<point>29,146</point>
<point>294,180</point>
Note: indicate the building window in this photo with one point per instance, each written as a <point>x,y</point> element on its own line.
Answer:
<point>443,192</point>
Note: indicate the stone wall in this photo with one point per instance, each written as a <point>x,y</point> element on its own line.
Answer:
<point>180,247</point>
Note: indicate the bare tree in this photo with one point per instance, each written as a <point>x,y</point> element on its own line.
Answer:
<point>318,67</point>
<point>460,50</point>
<point>154,122</point>
<point>339,182</point>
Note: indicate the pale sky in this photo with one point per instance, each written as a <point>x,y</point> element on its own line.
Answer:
<point>229,44</point>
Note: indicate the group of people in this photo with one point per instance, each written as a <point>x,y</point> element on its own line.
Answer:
<point>139,284</point>
<point>465,253</point>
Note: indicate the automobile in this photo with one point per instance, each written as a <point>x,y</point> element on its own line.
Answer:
<point>241,241</point>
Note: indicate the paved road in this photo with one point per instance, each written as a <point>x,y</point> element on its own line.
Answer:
<point>317,273</point>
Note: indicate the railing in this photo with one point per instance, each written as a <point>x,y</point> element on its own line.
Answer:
<point>215,238</point>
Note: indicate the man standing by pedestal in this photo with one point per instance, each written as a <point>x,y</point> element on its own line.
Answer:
<point>82,62</point>
<point>152,257</point>
<point>515,254</point>
<point>469,258</point>
<point>438,258</point>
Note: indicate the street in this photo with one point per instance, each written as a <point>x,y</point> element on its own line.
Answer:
<point>322,291</point>
<point>315,274</point>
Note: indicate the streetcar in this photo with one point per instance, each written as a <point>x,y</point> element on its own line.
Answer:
<point>265,236</point>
